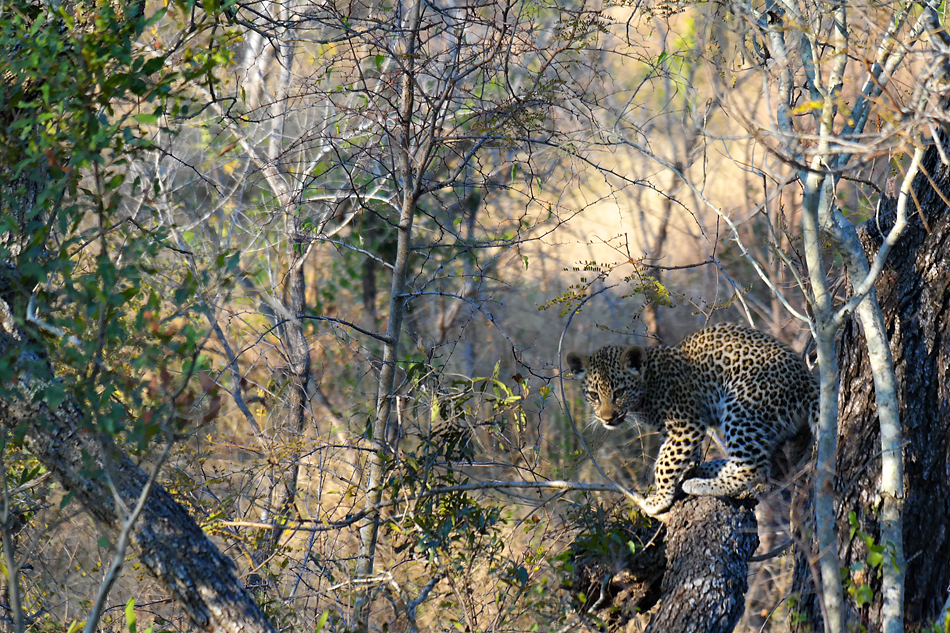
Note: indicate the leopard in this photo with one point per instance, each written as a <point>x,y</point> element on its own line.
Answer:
<point>755,388</point>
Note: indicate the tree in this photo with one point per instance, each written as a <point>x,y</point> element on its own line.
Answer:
<point>818,124</point>
<point>159,246</point>
<point>659,566</point>
<point>255,243</point>
<point>813,122</point>
<point>66,397</point>
<point>909,290</point>
<point>383,142</point>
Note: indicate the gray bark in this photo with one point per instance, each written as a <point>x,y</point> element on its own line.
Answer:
<point>168,542</point>
<point>702,556</point>
<point>914,293</point>
<point>410,181</point>
<point>708,545</point>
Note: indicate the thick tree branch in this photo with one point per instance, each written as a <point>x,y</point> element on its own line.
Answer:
<point>168,542</point>
<point>702,557</point>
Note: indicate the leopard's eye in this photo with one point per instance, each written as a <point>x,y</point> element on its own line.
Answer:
<point>593,396</point>
<point>619,394</point>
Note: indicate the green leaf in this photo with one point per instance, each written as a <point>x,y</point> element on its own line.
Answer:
<point>863,595</point>
<point>54,395</point>
<point>321,621</point>
<point>146,119</point>
<point>130,614</point>
<point>115,182</point>
<point>153,65</point>
<point>522,575</point>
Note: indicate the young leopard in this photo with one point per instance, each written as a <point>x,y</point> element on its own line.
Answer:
<point>755,388</point>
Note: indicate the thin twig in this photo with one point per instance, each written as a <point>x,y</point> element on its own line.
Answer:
<point>326,526</point>
<point>772,553</point>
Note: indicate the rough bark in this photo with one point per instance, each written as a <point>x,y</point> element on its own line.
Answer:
<point>914,293</point>
<point>708,545</point>
<point>700,562</point>
<point>168,542</point>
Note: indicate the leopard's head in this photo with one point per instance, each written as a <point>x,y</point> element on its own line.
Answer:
<point>612,381</point>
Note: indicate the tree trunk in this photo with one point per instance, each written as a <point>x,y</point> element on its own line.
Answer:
<point>702,556</point>
<point>168,542</point>
<point>708,545</point>
<point>294,420</point>
<point>914,293</point>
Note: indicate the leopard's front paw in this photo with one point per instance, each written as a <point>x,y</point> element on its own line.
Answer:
<point>654,505</point>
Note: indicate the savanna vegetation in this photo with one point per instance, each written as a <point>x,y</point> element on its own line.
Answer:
<point>285,287</point>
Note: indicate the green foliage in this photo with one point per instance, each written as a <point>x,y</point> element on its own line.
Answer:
<point>795,615</point>
<point>606,540</point>
<point>577,292</point>
<point>88,280</point>
<point>640,283</point>
<point>604,532</point>
<point>450,524</point>
<point>941,625</point>
<point>81,97</point>
<point>857,579</point>
<point>130,619</point>
<point>456,529</point>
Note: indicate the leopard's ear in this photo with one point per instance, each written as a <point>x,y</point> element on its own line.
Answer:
<point>577,364</point>
<point>633,357</point>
